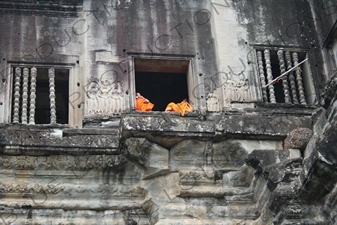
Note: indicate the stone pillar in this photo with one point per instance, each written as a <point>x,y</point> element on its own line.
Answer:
<point>51,74</point>
<point>299,80</point>
<point>284,78</point>
<point>24,96</point>
<point>269,76</point>
<point>262,76</point>
<point>33,74</point>
<point>16,107</point>
<point>291,78</point>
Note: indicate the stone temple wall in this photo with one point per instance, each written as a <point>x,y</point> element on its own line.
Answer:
<point>241,157</point>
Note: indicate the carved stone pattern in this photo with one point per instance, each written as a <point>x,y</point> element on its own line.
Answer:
<point>280,56</point>
<point>291,78</point>
<point>16,95</point>
<point>59,216</point>
<point>269,76</point>
<point>118,98</point>
<point>64,162</point>
<point>33,74</point>
<point>294,212</point>
<point>236,87</point>
<point>24,96</point>
<point>262,76</point>
<point>51,75</point>
<point>104,100</point>
<point>191,179</point>
<point>228,155</point>
<point>212,102</point>
<point>141,155</point>
<point>299,79</point>
<point>50,188</point>
<point>24,163</point>
<point>91,93</point>
<point>94,181</point>
<point>42,138</point>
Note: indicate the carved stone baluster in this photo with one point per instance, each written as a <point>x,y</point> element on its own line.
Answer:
<point>269,76</point>
<point>51,74</point>
<point>16,107</point>
<point>284,78</point>
<point>33,74</point>
<point>262,76</point>
<point>24,96</point>
<point>299,80</point>
<point>291,78</point>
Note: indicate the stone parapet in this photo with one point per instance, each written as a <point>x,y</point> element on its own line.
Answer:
<point>16,139</point>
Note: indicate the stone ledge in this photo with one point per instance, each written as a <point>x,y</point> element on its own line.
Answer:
<point>283,109</point>
<point>217,126</point>
<point>54,150</point>
<point>22,137</point>
<point>42,7</point>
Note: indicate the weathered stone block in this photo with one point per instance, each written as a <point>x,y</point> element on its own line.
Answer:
<point>261,158</point>
<point>260,125</point>
<point>187,154</point>
<point>298,138</point>
<point>152,156</point>
<point>319,119</point>
<point>228,154</point>
<point>26,138</point>
<point>285,171</point>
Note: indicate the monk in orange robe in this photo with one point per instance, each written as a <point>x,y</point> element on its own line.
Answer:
<point>143,104</point>
<point>181,107</point>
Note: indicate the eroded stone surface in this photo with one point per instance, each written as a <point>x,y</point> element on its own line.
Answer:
<point>37,138</point>
<point>292,189</point>
<point>261,158</point>
<point>153,157</point>
<point>298,138</point>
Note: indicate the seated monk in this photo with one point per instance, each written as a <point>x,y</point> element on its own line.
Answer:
<point>181,107</point>
<point>143,104</point>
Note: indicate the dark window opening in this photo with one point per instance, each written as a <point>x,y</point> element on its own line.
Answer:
<point>42,100</point>
<point>275,67</point>
<point>42,111</point>
<point>162,88</point>
<point>162,81</point>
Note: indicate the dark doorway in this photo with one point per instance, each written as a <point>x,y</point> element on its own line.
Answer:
<point>162,88</point>
<point>162,81</point>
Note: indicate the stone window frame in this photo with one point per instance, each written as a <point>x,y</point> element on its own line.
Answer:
<point>306,74</point>
<point>8,89</point>
<point>194,82</point>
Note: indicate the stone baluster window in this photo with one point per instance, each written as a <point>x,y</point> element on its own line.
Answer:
<point>296,87</point>
<point>40,95</point>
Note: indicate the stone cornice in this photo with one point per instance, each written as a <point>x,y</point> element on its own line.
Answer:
<point>19,138</point>
<point>163,128</point>
<point>42,7</point>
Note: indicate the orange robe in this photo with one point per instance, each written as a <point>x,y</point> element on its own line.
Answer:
<point>142,104</point>
<point>181,107</point>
